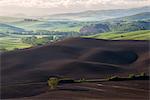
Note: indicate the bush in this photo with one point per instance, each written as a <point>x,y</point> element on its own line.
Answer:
<point>132,76</point>
<point>53,82</point>
<point>82,80</point>
<point>113,78</point>
<point>143,74</point>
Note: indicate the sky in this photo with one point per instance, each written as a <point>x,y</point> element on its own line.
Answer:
<point>48,7</point>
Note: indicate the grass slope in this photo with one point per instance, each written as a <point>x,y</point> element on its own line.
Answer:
<point>10,43</point>
<point>136,35</point>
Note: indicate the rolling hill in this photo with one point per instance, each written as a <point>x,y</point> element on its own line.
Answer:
<point>136,35</point>
<point>99,14</point>
<point>136,17</point>
<point>91,23</point>
<point>144,16</point>
<point>118,46</point>
<point>7,19</point>
<point>119,26</point>
<point>75,21</point>
<point>10,28</point>
<point>75,58</point>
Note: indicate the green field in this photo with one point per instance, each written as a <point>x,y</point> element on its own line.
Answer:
<point>136,35</point>
<point>11,43</point>
<point>14,41</point>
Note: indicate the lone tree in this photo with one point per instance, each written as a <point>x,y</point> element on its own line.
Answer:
<point>53,82</point>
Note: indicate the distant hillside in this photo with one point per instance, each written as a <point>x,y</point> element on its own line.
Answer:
<point>121,26</point>
<point>6,19</point>
<point>10,28</point>
<point>136,35</point>
<point>136,17</point>
<point>95,28</point>
<point>130,26</point>
<point>92,22</point>
<point>140,16</point>
<point>135,22</point>
<point>98,15</point>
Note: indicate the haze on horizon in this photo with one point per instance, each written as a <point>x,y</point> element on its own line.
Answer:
<point>48,7</point>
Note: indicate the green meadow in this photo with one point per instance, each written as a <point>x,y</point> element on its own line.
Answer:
<point>136,35</point>
<point>11,43</point>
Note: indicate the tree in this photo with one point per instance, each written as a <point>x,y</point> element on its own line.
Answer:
<point>3,49</point>
<point>53,82</point>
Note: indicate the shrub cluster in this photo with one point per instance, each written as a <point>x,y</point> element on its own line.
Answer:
<point>141,76</point>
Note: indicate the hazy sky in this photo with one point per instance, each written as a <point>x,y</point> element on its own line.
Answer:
<point>47,7</point>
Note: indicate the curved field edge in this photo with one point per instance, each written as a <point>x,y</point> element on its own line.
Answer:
<point>136,35</point>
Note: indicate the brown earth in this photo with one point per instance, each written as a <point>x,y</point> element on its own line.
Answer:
<point>76,58</point>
